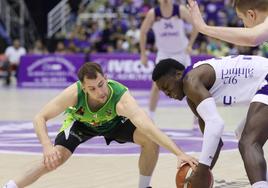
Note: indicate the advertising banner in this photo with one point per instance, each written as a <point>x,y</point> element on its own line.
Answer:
<point>60,71</point>
<point>126,69</point>
<point>49,71</point>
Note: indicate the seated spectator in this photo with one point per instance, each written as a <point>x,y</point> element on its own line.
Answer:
<point>60,48</point>
<point>264,49</point>
<point>13,54</point>
<point>39,48</point>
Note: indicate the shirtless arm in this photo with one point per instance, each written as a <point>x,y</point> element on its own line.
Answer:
<point>240,36</point>
<point>185,15</point>
<point>128,107</point>
<point>66,98</point>
<point>145,27</point>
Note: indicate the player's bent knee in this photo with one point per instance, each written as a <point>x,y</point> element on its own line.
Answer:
<point>246,142</point>
<point>149,144</point>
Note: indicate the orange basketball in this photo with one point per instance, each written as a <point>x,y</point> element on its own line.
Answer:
<point>185,172</point>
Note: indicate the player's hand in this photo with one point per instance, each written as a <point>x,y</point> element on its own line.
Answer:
<point>197,19</point>
<point>52,157</point>
<point>144,60</point>
<point>184,158</point>
<point>200,174</point>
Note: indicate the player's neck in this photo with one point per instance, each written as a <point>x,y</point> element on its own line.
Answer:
<point>166,10</point>
<point>94,105</point>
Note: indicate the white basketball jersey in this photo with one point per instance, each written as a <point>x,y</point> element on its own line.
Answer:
<point>238,78</point>
<point>169,32</point>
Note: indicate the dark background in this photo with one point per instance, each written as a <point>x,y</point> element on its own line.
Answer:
<point>39,10</point>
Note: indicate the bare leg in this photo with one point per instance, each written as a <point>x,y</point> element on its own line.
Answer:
<point>252,140</point>
<point>154,97</point>
<point>31,175</point>
<point>149,153</point>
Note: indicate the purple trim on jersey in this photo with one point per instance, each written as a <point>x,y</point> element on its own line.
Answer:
<point>157,12</point>
<point>264,89</point>
<point>188,69</point>
<point>175,12</point>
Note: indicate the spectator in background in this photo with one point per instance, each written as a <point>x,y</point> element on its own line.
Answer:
<point>264,49</point>
<point>39,48</point>
<point>13,54</point>
<point>72,48</point>
<point>107,42</point>
<point>134,33</point>
<point>60,48</point>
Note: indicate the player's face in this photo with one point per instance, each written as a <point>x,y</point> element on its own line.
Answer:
<point>171,86</point>
<point>97,89</point>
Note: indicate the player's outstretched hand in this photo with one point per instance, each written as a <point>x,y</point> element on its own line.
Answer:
<point>197,19</point>
<point>184,158</point>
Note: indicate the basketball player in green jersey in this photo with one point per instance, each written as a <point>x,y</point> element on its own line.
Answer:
<point>95,106</point>
<point>253,13</point>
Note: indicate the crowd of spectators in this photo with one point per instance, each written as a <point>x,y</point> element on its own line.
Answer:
<point>107,26</point>
<point>114,26</point>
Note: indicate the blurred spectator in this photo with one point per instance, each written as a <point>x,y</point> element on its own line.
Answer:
<point>13,54</point>
<point>39,48</point>
<point>264,49</point>
<point>60,48</point>
<point>110,24</point>
<point>107,43</point>
<point>72,48</point>
<point>133,34</point>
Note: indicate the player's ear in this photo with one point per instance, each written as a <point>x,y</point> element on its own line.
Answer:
<point>251,14</point>
<point>105,77</point>
<point>83,87</point>
<point>178,74</point>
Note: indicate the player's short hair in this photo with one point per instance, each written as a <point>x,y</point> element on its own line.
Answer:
<point>166,66</point>
<point>244,5</point>
<point>89,70</point>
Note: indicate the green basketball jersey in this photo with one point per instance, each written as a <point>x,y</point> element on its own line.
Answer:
<point>105,118</point>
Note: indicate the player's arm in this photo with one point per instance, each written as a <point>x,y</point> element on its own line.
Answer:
<point>195,87</point>
<point>66,98</point>
<point>128,107</point>
<point>239,36</point>
<point>193,109</point>
<point>185,15</point>
<point>202,128</point>
<point>145,27</point>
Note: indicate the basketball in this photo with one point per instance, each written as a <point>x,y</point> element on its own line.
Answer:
<point>185,172</point>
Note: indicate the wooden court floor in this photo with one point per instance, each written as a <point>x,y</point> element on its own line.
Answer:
<point>113,171</point>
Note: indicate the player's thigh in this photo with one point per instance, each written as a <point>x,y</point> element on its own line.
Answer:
<point>64,152</point>
<point>256,127</point>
